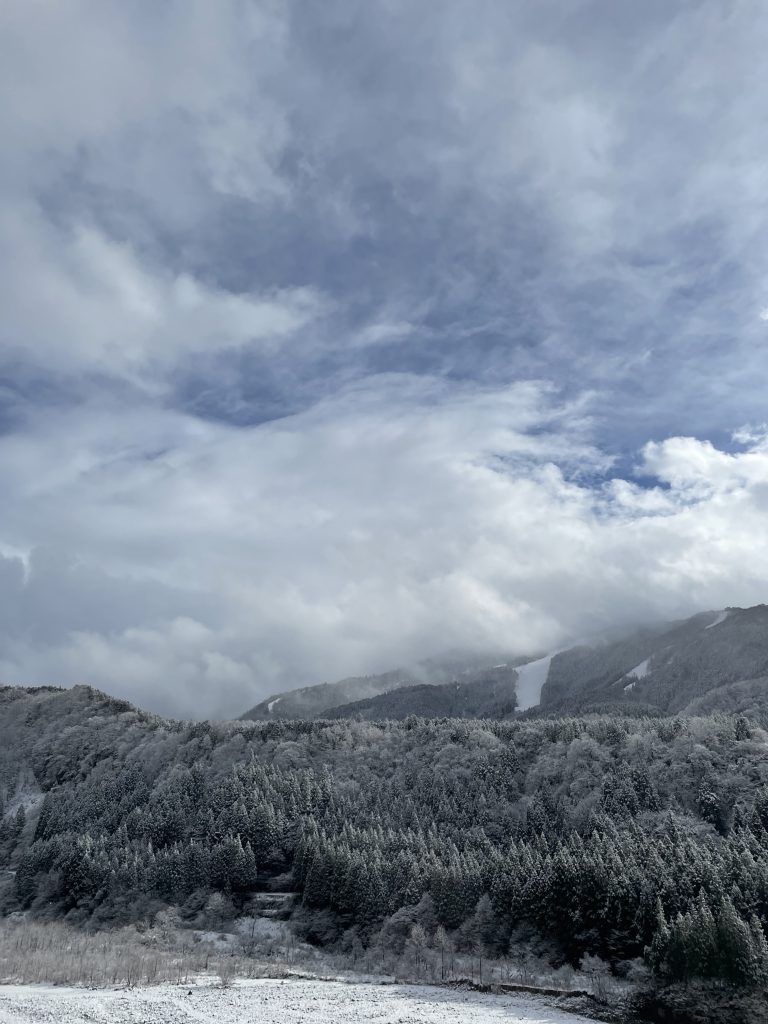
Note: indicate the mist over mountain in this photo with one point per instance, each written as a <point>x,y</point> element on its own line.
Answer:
<point>666,668</point>
<point>445,671</point>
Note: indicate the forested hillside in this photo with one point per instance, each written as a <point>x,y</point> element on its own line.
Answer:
<point>488,693</point>
<point>617,837</point>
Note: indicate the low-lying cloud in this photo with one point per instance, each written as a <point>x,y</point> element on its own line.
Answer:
<point>382,526</point>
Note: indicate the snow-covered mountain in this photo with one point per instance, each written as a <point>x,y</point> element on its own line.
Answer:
<point>667,668</point>
<point>714,660</point>
<point>312,701</point>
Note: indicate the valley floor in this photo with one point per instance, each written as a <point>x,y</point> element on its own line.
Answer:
<point>272,1002</point>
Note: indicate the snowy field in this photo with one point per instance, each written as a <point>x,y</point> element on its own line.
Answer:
<point>272,1002</point>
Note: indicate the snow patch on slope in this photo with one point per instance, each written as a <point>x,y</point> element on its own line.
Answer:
<point>272,704</point>
<point>639,671</point>
<point>721,617</point>
<point>28,795</point>
<point>530,679</point>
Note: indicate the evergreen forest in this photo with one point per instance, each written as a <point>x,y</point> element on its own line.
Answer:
<point>607,836</point>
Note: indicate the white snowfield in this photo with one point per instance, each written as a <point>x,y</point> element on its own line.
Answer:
<point>272,1002</point>
<point>530,679</point>
<point>639,671</point>
<point>721,617</point>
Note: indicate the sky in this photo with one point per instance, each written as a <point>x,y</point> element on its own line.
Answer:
<point>335,336</point>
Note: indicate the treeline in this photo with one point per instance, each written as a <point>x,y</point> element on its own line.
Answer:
<point>607,836</point>
<point>608,891</point>
<point>115,848</point>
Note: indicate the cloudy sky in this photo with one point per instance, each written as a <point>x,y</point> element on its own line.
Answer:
<point>334,335</point>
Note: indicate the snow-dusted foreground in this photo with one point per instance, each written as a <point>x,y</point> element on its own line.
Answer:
<point>272,1002</point>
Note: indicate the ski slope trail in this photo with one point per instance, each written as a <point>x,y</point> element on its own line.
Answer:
<point>530,680</point>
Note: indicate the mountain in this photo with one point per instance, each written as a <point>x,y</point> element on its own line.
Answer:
<point>603,835</point>
<point>328,699</point>
<point>657,669</point>
<point>484,693</point>
<point>667,668</point>
<point>312,701</point>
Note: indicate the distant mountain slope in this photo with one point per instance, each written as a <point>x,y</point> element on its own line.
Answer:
<point>311,701</point>
<point>594,667</point>
<point>485,693</point>
<point>663,668</point>
<point>748,697</point>
<point>667,667</point>
<point>326,699</point>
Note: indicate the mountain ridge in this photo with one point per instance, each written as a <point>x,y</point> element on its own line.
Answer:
<point>662,668</point>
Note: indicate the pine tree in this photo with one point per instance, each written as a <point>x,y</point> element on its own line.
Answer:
<point>703,941</point>
<point>656,954</point>
<point>736,952</point>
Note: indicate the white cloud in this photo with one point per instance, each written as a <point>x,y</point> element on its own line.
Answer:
<point>96,308</point>
<point>101,82</point>
<point>693,466</point>
<point>381,526</point>
<point>544,190</point>
<point>122,119</point>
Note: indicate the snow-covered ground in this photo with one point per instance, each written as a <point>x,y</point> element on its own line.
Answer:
<point>721,617</point>
<point>272,1002</point>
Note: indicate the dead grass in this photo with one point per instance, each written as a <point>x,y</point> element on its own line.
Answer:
<point>57,954</point>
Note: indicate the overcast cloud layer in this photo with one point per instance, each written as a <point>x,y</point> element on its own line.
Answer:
<point>336,335</point>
